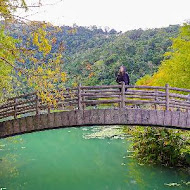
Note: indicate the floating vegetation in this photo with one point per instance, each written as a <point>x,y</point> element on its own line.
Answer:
<point>172,184</point>
<point>183,183</point>
<point>113,132</point>
<point>85,129</point>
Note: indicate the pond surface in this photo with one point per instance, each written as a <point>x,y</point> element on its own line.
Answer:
<point>63,160</point>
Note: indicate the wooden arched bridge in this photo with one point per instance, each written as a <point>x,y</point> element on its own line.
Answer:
<point>97,105</point>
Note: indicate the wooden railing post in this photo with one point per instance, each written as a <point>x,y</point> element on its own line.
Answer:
<point>79,98</point>
<point>167,97</point>
<point>49,110</point>
<point>156,99</point>
<point>15,114</point>
<point>37,104</point>
<point>122,105</point>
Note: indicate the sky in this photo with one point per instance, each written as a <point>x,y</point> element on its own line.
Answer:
<point>121,15</point>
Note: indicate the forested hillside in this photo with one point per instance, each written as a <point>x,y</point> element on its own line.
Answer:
<point>92,56</point>
<point>141,51</point>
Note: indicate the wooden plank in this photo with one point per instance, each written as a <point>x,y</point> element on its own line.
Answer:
<point>111,116</point>
<point>160,117</point>
<point>29,123</point>
<point>100,101</point>
<point>188,119</point>
<point>16,126</point>
<point>97,117</point>
<point>58,119</point>
<point>153,117</point>
<point>180,104</point>
<point>124,116</point>
<point>79,116</point>
<point>138,117</point>
<point>183,119</point>
<point>167,118</point>
<point>10,113</point>
<point>100,87</point>
<point>2,129</point>
<point>23,125</point>
<point>9,128</point>
<point>101,91</point>
<point>25,108</point>
<point>65,118</point>
<point>145,117</point>
<point>180,89</point>
<point>175,118</point>
<point>180,101</point>
<point>86,116</point>
<point>99,95</point>
<point>11,109</point>
<point>36,122</point>
<point>141,97</point>
<point>145,87</point>
<point>145,92</point>
<point>51,120</point>
<point>72,118</point>
<point>26,111</point>
<point>179,96</point>
<point>143,102</point>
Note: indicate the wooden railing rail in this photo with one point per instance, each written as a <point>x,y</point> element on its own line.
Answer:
<point>86,97</point>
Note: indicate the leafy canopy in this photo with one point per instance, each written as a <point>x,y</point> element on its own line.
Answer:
<point>32,60</point>
<point>175,69</point>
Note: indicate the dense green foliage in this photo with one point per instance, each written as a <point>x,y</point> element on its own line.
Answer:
<point>7,59</point>
<point>175,69</point>
<point>97,60</point>
<point>92,56</point>
<point>161,146</point>
<point>170,147</point>
<point>8,49</point>
<point>27,61</point>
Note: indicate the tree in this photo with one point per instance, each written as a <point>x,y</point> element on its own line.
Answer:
<point>169,147</point>
<point>175,68</point>
<point>32,60</point>
<point>8,50</point>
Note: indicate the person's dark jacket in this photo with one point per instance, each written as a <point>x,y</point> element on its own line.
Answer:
<point>124,78</point>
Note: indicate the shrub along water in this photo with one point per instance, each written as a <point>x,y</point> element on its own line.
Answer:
<point>160,146</point>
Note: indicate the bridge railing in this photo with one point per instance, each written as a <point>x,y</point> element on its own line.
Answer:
<point>90,97</point>
<point>124,95</point>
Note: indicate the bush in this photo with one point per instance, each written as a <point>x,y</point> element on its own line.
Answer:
<point>161,146</point>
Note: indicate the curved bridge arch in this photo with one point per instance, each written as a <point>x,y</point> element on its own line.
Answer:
<point>78,118</point>
<point>158,106</point>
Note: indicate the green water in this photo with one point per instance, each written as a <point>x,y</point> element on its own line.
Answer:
<point>63,160</point>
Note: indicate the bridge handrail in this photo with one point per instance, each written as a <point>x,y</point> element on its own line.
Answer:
<point>83,96</point>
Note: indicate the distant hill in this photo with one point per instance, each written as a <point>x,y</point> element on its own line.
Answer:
<point>92,56</point>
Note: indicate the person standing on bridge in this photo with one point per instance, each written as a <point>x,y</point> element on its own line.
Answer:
<point>123,76</point>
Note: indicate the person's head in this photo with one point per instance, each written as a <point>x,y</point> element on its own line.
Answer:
<point>122,69</point>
